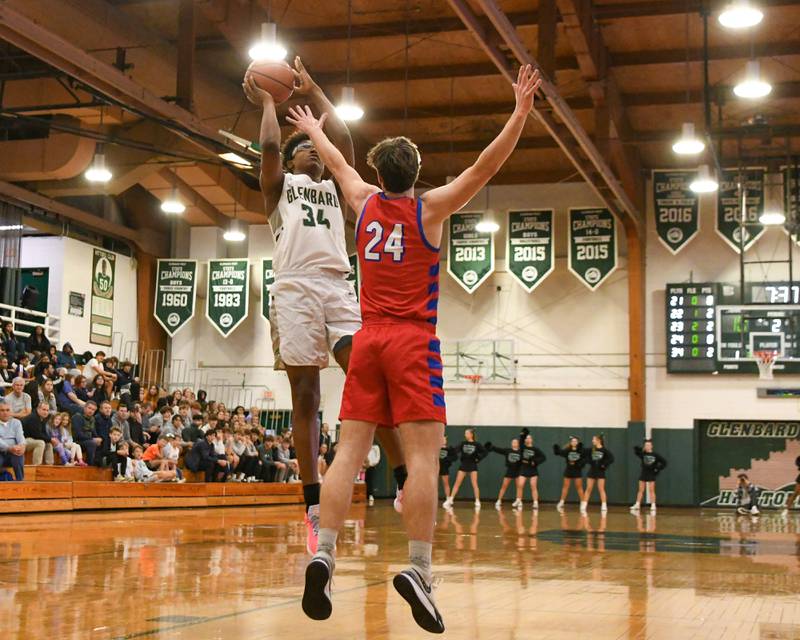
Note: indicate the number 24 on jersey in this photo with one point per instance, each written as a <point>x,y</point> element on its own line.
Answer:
<point>392,246</point>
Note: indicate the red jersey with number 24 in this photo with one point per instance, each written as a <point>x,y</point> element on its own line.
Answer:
<point>399,267</point>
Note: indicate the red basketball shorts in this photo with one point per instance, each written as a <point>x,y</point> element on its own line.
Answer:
<point>394,375</point>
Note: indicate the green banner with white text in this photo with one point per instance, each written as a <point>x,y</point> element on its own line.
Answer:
<point>101,328</point>
<point>228,294</point>
<point>592,245</point>
<point>267,280</point>
<point>470,256</point>
<point>529,251</point>
<point>176,285</point>
<point>737,186</point>
<point>676,207</point>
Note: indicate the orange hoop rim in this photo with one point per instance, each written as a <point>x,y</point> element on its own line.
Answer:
<point>765,357</point>
<point>474,378</point>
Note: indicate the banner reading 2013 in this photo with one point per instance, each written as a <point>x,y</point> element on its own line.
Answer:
<point>676,207</point>
<point>729,206</point>
<point>592,245</point>
<point>176,282</point>
<point>529,251</point>
<point>228,297</point>
<point>470,256</point>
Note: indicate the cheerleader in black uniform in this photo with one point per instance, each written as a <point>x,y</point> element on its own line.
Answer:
<point>532,457</point>
<point>513,457</point>
<point>471,453</point>
<point>652,465</point>
<point>573,471</point>
<point>447,456</point>
<point>599,459</point>
<point>790,502</point>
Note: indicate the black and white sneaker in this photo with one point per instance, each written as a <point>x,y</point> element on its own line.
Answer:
<point>419,596</point>
<point>317,595</point>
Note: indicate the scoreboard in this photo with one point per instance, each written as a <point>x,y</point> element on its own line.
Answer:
<point>710,329</point>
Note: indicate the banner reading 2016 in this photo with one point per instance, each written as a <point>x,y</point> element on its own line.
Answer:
<point>470,256</point>
<point>676,207</point>
<point>176,283</point>
<point>267,280</point>
<point>592,245</point>
<point>729,206</point>
<point>529,251</point>
<point>228,294</point>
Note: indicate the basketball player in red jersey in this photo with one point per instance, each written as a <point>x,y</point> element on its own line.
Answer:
<point>395,373</point>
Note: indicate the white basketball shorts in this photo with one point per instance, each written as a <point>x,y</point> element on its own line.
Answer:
<point>310,312</point>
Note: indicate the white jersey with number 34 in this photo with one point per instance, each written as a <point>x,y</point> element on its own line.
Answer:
<point>308,226</point>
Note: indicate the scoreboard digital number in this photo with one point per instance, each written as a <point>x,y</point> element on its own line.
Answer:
<point>691,331</point>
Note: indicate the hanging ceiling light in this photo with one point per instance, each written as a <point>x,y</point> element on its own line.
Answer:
<point>487,225</point>
<point>348,109</point>
<point>704,182</point>
<point>236,159</point>
<point>772,218</point>
<point>740,14</point>
<point>98,172</point>
<point>173,204</point>
<point>688,144</point>
<point>235,233</point>
<point>752,86</point>
<point>268,48</point>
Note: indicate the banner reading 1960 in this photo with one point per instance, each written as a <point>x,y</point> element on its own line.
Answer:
<point>101,319</point>
<point>470,256</point>
<point>729,206</point>
<point>592,245</point>
<point>677,208</point>
<point>176,283</point>
<point>267,280</point>
<point>228,294</point>
<point>529,251</point>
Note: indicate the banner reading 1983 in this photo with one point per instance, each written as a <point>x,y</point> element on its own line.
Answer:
<point>677,208</point>
<point>592,245</point>
<point>470,256</point>
<point>176,282</point>
<point>529,251</point>
<point>267,280</point>
<point>228,294</point>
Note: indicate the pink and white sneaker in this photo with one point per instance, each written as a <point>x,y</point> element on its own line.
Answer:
<point>398,501</point>
<point>312,525</point>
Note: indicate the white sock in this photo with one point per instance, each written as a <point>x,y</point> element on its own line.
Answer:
<point>326,541</point>
<point>419,554</point>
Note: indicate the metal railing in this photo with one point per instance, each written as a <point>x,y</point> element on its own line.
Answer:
<point>25,320</point>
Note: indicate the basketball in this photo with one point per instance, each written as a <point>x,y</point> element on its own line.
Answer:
<point>276,78</point>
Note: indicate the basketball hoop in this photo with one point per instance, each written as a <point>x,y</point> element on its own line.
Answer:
<point>765,361</point>
<point>473,383</point>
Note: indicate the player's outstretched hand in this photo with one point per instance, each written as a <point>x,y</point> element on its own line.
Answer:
<point>254,93</point>
<point>528,81</point>
<point>304,85</point>
<point>302,118</point>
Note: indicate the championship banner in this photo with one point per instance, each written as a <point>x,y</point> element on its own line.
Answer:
<point>791,195</point>
<point>729,206</point>
<point>101,320</point>
<point>677,208</point>
<point>354,276</point>
<point>176,284</point>
<point>592,245</point>
<point>228,294</point>
<point>470,255</point>
<point>765,450</point>
<point>529,248</point>
<point>267,280</point>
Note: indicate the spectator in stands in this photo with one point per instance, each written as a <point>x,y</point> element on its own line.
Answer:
<point>61,440</point>
<point>102,420</point>
<point>153,394</point>
<point>284,455</point>
<point>184,411</point>
<point>211,423</point>
<point>111,445</point>
<point>202,399</point>
<point>6,374</point>
<point>48,397</point>
<point>12,442</point>
<point>66,357</point>
<point>18,400</point>
<point>34,428</point>
<point>250,461</point>
<point>96,367</point>
<point>270,468</point>
<point>175,398</point>
<point>23,368</point>
<point>98,389</point>
<point>37,342</point>
<point>82,391</point>
<point>126,384</point>
<point>160,418</point>
<point>188,395</point>
<point>322,464</point>
<point>136,422</point>
<point>120,420</point>
<point>122,468</point>
<point>143,473</point>
<point>154,454</point>
<point>85,434</point>
<point>146,410</point>
<point>172,426</point>
<point>171,452</point>
<point>193,432</point>
<point>209,460</point>
<point>9,342</point>
<point>325,438</point>
<point>66,398</point>
<point>52,354</point>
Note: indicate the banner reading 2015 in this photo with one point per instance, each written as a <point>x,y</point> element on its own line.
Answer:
<point>176,282</point>
<point>529,251</point>
<point>729,206</point>
<point>228,294</point>
<point>676,207</point>
<point>470,256</point>
<point>592,245</point>
<point>267,280</point>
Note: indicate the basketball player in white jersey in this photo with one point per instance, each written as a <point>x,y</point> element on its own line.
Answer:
<point>314,308</point>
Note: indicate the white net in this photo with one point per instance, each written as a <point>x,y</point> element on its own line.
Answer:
<point>765,361</point>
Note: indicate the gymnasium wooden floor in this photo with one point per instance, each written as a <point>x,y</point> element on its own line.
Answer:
<point>235,573</point>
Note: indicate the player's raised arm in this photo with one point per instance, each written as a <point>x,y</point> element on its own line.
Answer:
<point>354,189</point>
<point>443,201</point>
<point>338,132</point>
<point>270,141</point>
